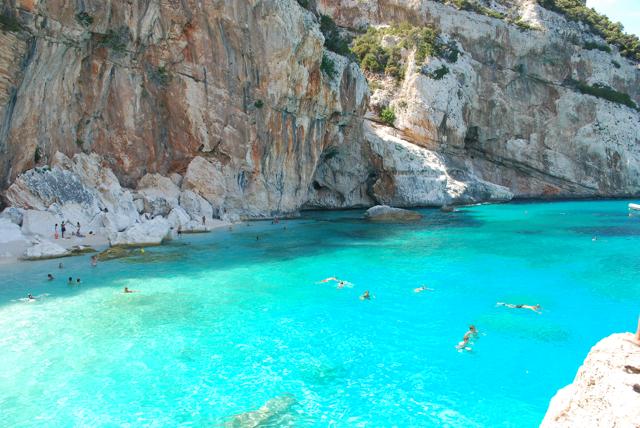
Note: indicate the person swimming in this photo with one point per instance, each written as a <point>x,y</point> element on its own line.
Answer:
<point>70,281</point>
<point>30,297</point>
<point>365,296</point>
<point>472,333</point>
<point>422,288</point>
<point>126,290</point>
<point>94,261</point>
<point>60,265</point>
<point>78,281</point>
<point>49,277</point>
<point>535,308</point>
<point>331,278</point>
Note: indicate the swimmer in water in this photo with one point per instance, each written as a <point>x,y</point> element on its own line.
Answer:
<point>78,281</point>
<point>60,265</point>
<point>70,281</point>
<point>472,333</point>
<point>49,277</point>
<point>422,288</point>
<point>30,297</point>
<point>341,284</point>
<point>535,308</point>
<point>94,261</point>
<point>126,290</point>
<point>331,278</point>
<point>365,296</point>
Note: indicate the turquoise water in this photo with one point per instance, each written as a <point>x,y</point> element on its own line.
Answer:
<point>223,322</point>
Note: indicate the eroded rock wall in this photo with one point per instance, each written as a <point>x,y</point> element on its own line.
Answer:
<point>506,109</point>
<point>149,85</point>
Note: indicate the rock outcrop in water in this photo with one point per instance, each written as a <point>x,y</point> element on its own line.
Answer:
<point>237,109</point>
<point>602,394</point>
<point>386,213</point>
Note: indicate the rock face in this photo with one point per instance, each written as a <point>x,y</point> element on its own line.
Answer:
<point>506,112</point>
<point>602,394</point>
<point>387,213</point>
<point>234,84</point>
<point>229,100</point>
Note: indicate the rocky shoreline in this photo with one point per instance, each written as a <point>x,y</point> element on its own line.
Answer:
<point>606,390</point>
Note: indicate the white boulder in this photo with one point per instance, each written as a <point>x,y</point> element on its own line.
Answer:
<point>9,231</point>
<point>387,213</point>
<point>195,205</point>
<point>45,250</point>
<point>151,232</point>
<point>178,218</point>
<point>13,214</point>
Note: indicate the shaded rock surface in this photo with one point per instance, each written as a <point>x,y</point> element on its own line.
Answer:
<point>387,213</point>
<point>602,394</point>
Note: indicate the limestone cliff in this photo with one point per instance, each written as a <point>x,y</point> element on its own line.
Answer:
<point>149,85</point>
<point>242,98</point>
<point>606,390</point>
<point>512,107</point>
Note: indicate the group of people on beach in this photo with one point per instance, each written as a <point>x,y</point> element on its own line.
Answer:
<point>63,230</point>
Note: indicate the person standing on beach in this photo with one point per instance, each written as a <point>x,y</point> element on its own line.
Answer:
<point>63,229</point>
<point>55,231</point>
<point>204,221</point>
<point>78,229</point>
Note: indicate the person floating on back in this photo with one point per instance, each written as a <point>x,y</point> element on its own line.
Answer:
<point>126,290</point>
<point>535,308</point>
<point>49,277</point>
<point>422,288</point>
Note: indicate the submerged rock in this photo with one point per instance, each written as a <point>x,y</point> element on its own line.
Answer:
<point>45,250</point>
<point>387,213</point>
<point>267,415</point>
<point>602,394</point>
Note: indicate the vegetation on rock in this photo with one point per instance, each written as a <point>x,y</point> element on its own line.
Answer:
<point>602,91</point>
<point>333,38</point>
<point>9,23</point>
<point>84,19</point>
<point>438,73</point>
<point>385,57</point>
<point>388,116</point>
<point>576,10</point>
<point>328,67</point>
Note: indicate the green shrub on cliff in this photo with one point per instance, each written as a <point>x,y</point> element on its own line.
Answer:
<point>613,33</point>
<point>598,46</point>
<point>328,67</point>
<point>602,91</point>
<point>9,23</point>
<point>424,41</point>
<point>333,38</point>
<point>388,116</point>
<point>84,19</point>
<point>115,40</point>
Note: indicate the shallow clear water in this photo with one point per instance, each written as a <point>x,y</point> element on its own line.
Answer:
<point>224,322</point>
